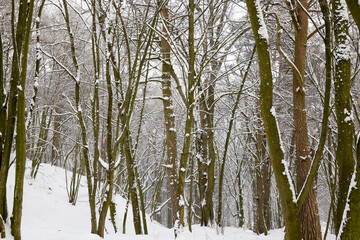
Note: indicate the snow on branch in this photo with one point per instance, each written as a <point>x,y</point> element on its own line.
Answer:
<point>283,161</point>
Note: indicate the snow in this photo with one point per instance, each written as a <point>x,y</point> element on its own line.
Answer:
<point>118,161</point>
<point>103,163</point>
<point>262,28</point>
<point>283,161</point>
<point>168,165</point>
<point>287,174</point>
<point>342,51</point>
<point>77,78</point>
<point>47,214</point>
<point>347,206</point>
<point>349,119</point>
<point>181,201</point>
<point>349,116</point>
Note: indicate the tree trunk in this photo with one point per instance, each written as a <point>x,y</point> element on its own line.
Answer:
<point>21,127</point>
<point>12,103</point>
<point>289,206</point>
<point>189,116</point>
<point>344,151</point>
<point>3,210</point>
<point>2,228</point>
<point>169,116</point>
<point>354,8</point>
<point>56,138</point>
<point>202,160</point>
<point>309,214</point>
<point>85,147</point>
<point>109,152</point>
<point>131,183</point>
<point>95,113</point>
<point>262,183</point>
<point>351,228</point>
<point>239,205</point>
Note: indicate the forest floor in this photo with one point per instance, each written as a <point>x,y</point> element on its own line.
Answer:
<point>48,215</point>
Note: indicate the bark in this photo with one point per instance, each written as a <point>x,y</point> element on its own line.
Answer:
<point>262,183</point>
<point>2,97</point>
<point>328,69</point>
<point>109,153</point>
<point>169,116</point>
<point>354,8</point>
<point>190,207</point>
<point>56,138</point>
<point>344,152</point>
<point>309,218</point>
<point>2,228</point>
<point>351,228</point>
<point>290,202</point>
<point>266,172</point>
<point>37,65</point>
<point>131,183</point>
<point>2,131</point>
<point>95,111</point>
<point>259,221</point>
<point>18,36</point>
<point>21,128</point>
<point>290,212</point>
<point>189,116</point>
<point>209,207</point>
<point>75,177</point>
<point>202,160</point>
<point>141,198</point>
<point>239,205</point>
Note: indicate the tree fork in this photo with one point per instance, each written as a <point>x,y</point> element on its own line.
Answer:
<point>291,203</point>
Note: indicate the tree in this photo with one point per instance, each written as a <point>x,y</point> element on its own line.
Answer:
<point>169,116</point>
<point>290,201</point>
<point>309,214</point>
<point>190,91</point>
<point>346,197</point>
<point>15,110</point>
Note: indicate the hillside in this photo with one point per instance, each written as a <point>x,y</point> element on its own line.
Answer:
<point>47,215</point>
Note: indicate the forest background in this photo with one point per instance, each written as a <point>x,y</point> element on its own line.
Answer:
<point>218,113</point>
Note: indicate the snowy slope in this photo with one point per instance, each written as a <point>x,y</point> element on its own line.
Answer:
<point>47,215</point>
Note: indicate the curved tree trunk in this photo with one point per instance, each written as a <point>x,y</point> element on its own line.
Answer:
<point>289,206</point>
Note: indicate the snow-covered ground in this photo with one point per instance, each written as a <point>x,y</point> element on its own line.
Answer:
<point>47,215</point>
